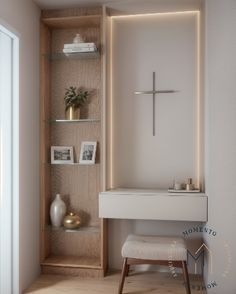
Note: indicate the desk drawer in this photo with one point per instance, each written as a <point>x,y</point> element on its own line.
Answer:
<point>153,207</point>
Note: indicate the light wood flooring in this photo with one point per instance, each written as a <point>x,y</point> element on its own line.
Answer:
<point>136,283</point>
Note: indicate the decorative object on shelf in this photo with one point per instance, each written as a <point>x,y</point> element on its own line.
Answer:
<point>62,155</point>
<point>74,99</point>
<point>79,48</point>
<point>93,54</point>
<point>178,186</point>
<point>88,152</point>
<point>57,211</point>
<point>72,113</point>
<point>184,188</point>
<point>78,39</point>
<point>154,92</point>
<point>71,221</point>
<point>87,120</point>
<point>189,185</point>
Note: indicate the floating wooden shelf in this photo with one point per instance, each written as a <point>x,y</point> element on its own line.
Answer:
<point>72,164</point>
<point>66,121</point>
<point>75,55</point>
<point>89,229</point>
<point>72,22</point>
<point>72,261</point>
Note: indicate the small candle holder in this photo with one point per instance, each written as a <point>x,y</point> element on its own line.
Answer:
<point>189,185</point>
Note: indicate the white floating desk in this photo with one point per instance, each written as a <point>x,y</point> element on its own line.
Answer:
<point>152,205</point>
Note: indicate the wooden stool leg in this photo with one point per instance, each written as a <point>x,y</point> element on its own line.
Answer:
<point>123,274</point>
<point>127,270</point>
<point>186,277</point>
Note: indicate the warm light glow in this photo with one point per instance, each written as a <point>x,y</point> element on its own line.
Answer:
<point>198,91</point>
<point>111,108</point>
<point>198,155</point>
<point>155,14</point>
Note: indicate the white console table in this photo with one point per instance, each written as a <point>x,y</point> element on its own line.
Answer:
<point>152,205</point>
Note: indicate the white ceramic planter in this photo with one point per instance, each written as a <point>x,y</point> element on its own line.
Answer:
<point>57,211</point>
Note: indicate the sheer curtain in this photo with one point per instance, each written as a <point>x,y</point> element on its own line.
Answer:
<point>8,162</point>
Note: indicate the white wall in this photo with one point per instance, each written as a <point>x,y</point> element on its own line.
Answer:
<point>221,141</point>
<point>23,17</point>
<point>166,44</point>
<point>119,229</point>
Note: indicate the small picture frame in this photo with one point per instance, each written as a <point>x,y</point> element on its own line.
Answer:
<point>88,152</point>
<point>62,155</point>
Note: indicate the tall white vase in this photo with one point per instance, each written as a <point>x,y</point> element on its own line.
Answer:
<point>57,211</point>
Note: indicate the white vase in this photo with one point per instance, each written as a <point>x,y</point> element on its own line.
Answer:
<point>57,211</point>
<point>78,39</point>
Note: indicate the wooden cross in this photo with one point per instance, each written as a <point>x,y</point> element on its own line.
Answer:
<point>153,93</point>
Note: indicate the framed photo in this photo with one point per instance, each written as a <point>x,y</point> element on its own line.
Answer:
<point>88,152</point>
<point>62,155</point>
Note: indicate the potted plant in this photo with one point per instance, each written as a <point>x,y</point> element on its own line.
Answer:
<point>74,99</point>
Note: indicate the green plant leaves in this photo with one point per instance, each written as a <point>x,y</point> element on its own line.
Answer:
<point>75,97</point>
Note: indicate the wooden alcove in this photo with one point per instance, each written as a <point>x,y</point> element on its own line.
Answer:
<point>81,252</point>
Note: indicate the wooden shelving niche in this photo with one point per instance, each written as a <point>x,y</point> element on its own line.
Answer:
<point>83,251</point>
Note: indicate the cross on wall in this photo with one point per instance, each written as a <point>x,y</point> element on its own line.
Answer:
<point>153,92</point>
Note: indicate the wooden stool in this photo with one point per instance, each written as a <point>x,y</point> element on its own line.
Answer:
<point>154,250</point>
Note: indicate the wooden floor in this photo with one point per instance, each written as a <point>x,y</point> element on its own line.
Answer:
<point>136,283</point>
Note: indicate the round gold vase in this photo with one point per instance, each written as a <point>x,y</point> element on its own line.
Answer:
<point>71,221</point>
<point>72,113</point>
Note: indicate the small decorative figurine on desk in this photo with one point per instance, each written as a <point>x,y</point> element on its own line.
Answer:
<point>189,185</point>
<point>179,187</point>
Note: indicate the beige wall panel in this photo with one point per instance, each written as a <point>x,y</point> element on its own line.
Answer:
<point>83,244</point>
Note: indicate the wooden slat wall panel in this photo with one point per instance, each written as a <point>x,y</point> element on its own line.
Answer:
<point>65,73</point>
<point>71,12</point>
<point>78,185</point>
<point>75,244</point>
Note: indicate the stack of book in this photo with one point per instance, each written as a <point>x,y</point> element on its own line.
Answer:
<point>79,48</point>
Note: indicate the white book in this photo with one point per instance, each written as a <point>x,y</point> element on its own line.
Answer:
<point>78,50</point>
<point>79,45</point>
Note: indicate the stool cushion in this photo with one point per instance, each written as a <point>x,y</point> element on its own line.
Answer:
<point>154,248</point>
